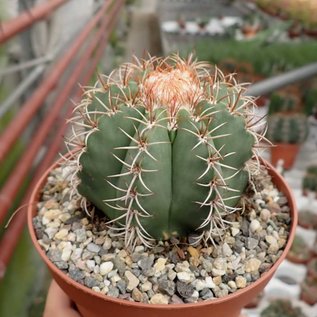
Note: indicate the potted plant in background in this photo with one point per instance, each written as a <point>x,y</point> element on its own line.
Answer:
<point>309,184</point>
<point>287,131</point>
<point>299,252</point>
<point>163,207</point>
<point>309,290</point>
<point>282,308</point>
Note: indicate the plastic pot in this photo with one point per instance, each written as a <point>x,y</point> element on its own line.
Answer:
<point>92,304</point>
<point>285,152</point>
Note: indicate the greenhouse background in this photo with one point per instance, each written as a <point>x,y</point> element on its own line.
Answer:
<point>51,50</point>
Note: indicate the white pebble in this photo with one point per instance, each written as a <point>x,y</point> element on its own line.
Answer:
<point>185,277</point>
<point>209,282</point>
<point>255,225</point>
<point>90,265</point>
<point>66,254</point>
<point>132,280</point>
<point>106,267</point>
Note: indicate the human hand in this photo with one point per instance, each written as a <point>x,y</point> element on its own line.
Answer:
<point>58,303</point>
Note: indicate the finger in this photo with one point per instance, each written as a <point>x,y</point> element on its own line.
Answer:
<point>58,303</point>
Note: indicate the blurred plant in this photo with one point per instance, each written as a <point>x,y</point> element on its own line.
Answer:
<point>289,128</point>
<point>310,180</point>
<point>282,308</point>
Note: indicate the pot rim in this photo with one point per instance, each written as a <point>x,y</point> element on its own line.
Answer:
<point>275,175</point>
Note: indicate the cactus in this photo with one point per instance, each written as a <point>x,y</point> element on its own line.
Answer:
<point>282,308</point>
<point>310,179</point>
<point>283,102</point>
<point>287,128</point>
<point>165,148</point>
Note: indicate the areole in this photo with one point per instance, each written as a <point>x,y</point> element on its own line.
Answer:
<point>93,304</point>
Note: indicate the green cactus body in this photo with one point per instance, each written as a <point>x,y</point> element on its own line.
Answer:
<point>310,179</point>
<point>168,154</point>
<point>287,128</point>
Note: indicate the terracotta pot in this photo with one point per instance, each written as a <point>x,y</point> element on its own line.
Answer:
<point>308,293</point>
<point>92,304</point>
<point>298,259</point>
<point>285,152</point>
<point>312,269</point>
<point>310,222</point>
<point>311,32</point>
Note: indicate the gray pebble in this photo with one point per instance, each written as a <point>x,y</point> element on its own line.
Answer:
<point>55,255</point>
<point>62,265</point>
<point>166,286</point>
<point>122,286</point>
<point>76,274</point>
<point>92,247</point>
<point>113,291</point>
<point>206,293</point>
<point>80,235</point>
<point>91,282</point>
<point>119,265</point>
<point>184,290</point>
<point>252,243</point>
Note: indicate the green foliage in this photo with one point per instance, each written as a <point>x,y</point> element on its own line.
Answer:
<point>20,296</point>
<point>282,103</point>
<point>267,58</point>
<point>287,128</point>
<point>164,156</point>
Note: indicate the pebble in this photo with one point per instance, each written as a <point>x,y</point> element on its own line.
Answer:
<point>226,250</point>
<point>66,253</point>
<point>159,299</point>
<point>241,282</point>
<point>235,231</point>
<point>171,275</point>
<point>146,286</point>
<point>255,225</point>
<point>61,234</point>
<point>137,295</point>
<point>51,232</point>
<point>265,215</point>
<point>92,247</point>
<point>90,265</point>
<point>252,243</point>
<point>159,266</point>
<point>107,244</point>
<point>166,286</point>
<point>252,265</point>
<point>90,281</point>
<point>106,267</point>
<point>81,235</point>
<point>186,277</point>
<point>76,254</point>
<point>206,293</point>
<point>217,280</point>
<point>132,281</point>
<point>185,290</point>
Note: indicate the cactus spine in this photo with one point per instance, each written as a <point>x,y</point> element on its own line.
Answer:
<point>165,147</point>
